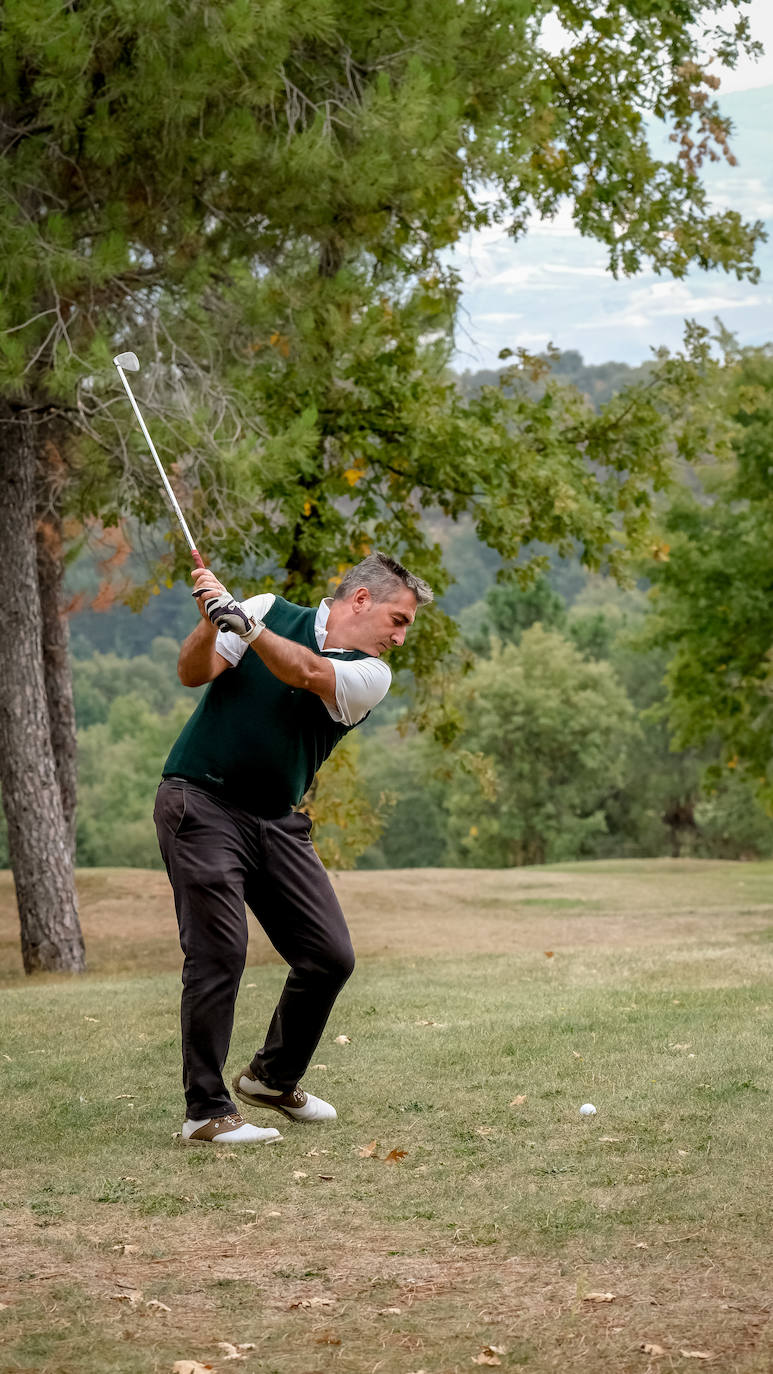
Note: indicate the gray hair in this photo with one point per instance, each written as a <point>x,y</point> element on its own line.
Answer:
<point>383,576</point>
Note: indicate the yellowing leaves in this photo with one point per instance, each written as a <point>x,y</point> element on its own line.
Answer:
<point>352,475</point>
<point>281,343</point>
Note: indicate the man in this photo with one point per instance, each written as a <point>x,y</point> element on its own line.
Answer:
<point>286,684</point>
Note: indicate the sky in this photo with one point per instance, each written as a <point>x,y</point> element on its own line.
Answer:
<point>553,285</point>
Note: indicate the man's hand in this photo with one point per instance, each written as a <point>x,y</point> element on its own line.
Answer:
<point>218,606</point>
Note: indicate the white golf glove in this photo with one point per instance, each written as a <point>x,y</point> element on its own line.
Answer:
<point>228,615</point>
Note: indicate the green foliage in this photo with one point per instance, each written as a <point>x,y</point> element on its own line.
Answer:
<point>258,198</point>
<point>412,771</point>
<point>508,610</point>
<point>346,823</point>
<point>555,729</point>
<point>100,680</point>
<point>713,600</point>
<point>119,769</point>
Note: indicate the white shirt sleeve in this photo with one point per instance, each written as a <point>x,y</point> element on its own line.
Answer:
<point>360,685</point>
<point>229,645</point>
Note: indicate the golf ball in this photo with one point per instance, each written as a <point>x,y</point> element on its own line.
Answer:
<point>587,1109</point>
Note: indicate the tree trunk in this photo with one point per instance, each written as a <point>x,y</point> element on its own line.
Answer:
<point>38,837</point>
<point>56,638</point>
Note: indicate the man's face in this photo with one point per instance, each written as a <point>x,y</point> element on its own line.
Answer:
<point>382,625</point>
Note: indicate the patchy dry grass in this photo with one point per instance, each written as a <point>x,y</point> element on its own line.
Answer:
<point>501,1218</point>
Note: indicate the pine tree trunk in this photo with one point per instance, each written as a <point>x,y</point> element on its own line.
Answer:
<point>56,663</point>
<point>38,838</point>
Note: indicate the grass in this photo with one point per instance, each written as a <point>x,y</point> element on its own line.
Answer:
<point>501,1217</point>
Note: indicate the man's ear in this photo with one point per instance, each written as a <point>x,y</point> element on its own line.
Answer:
<point>361,600</point>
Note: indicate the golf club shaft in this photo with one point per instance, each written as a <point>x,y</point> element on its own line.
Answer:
<point>197,558</point>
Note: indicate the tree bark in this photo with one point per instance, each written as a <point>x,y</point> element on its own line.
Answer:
<point>57,670</point>
<point>38,837</point>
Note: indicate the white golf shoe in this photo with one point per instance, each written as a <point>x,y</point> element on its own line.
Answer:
<point>296,1105</point>
<point>227,1130</point>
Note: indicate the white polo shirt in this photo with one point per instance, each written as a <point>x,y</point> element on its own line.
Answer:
<point>360,683</point>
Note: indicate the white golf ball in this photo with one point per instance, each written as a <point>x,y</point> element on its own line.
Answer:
<point>587,1109</point>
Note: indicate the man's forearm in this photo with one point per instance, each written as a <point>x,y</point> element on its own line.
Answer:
<point>296,665</point>
<point>198,663</point>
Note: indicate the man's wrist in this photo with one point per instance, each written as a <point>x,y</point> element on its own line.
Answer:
<point>257,628</point>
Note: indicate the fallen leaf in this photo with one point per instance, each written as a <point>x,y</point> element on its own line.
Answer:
<point>227,1154</point>
<point>232,1352</point>
<point>323,1067</point>
<point>681,1047</point>
<point>519,1100</point>
<point>129,1178</point>
<point>489,1355</point>
<point>576,1054</point>
<point>599,1297</point>
<point>273,1214</point>
<point>683,1153</point>
<point>390,1311</point>
<point>549,953</point>
<point>610,1139</point>
<point>95,1019</point>
<point>342,1040</point>
<point>298,1173</point>
<point>313,1302</point>
<point>250,985</point>
<point>326,1178</point>
<point>650,1348</point>
<point>132,1296</point>
<point>121,1096</point>
<point>697,1354</point>
<point>156,1306</point>
<point>190,1367</point>
<point>641,1245</point>
<point>485,1130</point>
<point>426,1023</point>
<point>125,1249</point>
<point>368,1151</point>
<point>327,1338</point>
<point>4,1305</point>
<point>394,1156</point>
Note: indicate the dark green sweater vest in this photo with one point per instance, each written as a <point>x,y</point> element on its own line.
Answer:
<point>254,741</point>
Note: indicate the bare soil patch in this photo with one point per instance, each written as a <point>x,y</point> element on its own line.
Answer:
<point>400,1301</point>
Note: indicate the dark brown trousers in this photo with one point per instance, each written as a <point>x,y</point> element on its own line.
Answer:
<point>218,857</point>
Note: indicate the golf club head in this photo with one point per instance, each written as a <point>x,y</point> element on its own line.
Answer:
<point>128,361</point>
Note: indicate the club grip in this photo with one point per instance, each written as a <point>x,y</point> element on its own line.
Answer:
<point>197,558</point>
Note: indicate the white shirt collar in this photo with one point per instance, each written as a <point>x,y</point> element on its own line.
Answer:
<point>320,622</point>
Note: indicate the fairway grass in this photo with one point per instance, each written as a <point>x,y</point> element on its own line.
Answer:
<point>501,1212</point>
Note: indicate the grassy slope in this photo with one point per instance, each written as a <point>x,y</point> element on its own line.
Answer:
<point>656,1005</point>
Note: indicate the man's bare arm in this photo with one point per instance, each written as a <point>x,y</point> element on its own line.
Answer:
<point>296,665</point>
<point>198,661</point>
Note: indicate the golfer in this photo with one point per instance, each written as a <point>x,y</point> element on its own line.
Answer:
<point>286,684</point>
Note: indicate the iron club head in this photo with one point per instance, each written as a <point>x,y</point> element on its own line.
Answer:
<point>128,361</point>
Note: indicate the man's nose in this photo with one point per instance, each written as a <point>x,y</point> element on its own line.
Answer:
<point>398,635</point>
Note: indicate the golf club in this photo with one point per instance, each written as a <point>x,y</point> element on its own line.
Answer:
<point>129,362</point>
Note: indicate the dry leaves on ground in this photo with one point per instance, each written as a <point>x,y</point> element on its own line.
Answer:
<point>599,1297</point>
<point>395,1156</point>
<point>651,1348</point>
<point>368,1151</point>
<point>489,1355</point>
<point>190,1367</point>
<point>342,1040</point>
<point>697,1354</point>
<point>313,1302</point>
<point>235,1352</point>
<point>519,1100</point>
